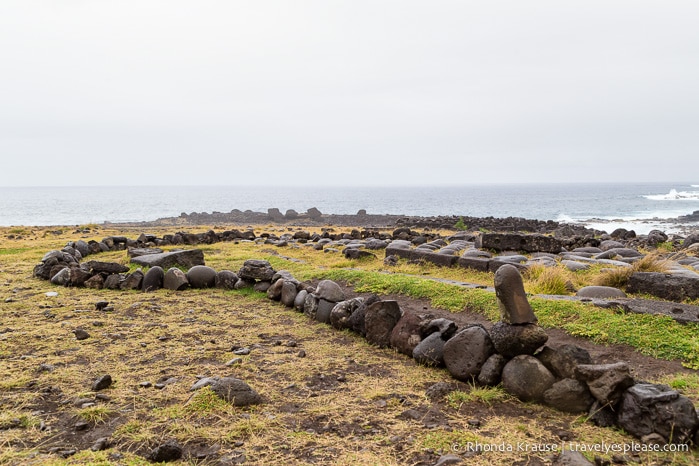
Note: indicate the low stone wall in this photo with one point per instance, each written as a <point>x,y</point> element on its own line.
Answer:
<point>513,353</point>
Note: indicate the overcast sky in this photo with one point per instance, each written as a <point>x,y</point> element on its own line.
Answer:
<point>350,92</point>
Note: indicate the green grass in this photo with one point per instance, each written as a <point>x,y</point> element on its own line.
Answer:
<point>486,395</point>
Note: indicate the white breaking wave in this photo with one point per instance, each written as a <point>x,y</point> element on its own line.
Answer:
<point>675,195</point>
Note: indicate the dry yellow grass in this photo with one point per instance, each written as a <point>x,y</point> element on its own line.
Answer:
<point>344,403</point>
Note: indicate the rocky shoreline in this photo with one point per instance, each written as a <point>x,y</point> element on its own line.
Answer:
<point>315,218</point>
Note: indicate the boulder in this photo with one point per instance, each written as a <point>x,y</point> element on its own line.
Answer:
<point>672,287</point>
<point>341,313</point>
<point>300,300</point>
<point>600,292</point>
<point>527,378</point>
<point>106,267</point>
<point>153,280</point>
<point>606,382</point>
<point>310,305</point>
<point>323,311</point>
<point>62,277</point>
<point>186,259</point>
<point>512,340</point>
<point>201,276</point>
<point>96,282</point>
<point>289,292</point>
<point>430,351</point>
<point>512,300</point>
<point>356,320</point>
<point>226,279</point>
<point>466,352</point>
<point>563,360</point>
<point>235,391</point>
<point>491,371</point>
<point>518,242</point>
<point>570,396</point>
<point>254,269</point>
<point>133,281</point>
<point>175,280</point>
<point>406,335</point>
<point>274,292</point>
<point>379,320</point>
<point>657,409</point>
<point>330,291</point>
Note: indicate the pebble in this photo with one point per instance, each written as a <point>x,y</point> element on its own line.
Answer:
<point>234,361</point>
<point>52,294</point>
<point>291,343</point>
<point>100,305</point>
<point>242,351</point>
<point>100,444</point>
<point>82,425</point>
<point>145,384</point>
<point>301,354</point>
<point>101,383</point>
<point>81,334</point>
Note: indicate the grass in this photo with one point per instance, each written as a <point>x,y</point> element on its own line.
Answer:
<point>357,421</point>
<point>486,395</point>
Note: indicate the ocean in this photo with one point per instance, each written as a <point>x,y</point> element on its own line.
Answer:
<point>605,206</point>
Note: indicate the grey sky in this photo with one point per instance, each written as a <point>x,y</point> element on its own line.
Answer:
<point>348,92</point>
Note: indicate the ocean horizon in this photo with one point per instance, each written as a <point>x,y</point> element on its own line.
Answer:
<point>604,206</point>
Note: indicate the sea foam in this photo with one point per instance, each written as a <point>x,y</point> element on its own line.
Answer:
<point>675,195</point>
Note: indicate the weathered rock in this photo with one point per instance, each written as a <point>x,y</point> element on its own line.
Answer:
<point>102,382</point>
<point>330,291</point>
<point>672,287</point>
<point>81,334</point>
<point>606,382</point>
<point>135,252</point>
<point>379,320</point>
<point>133,281</point>
<point>254,269</point>
<point>289,292</point>
<point>602,415</point>
<point>356,253</point>
<point>300,300</point>
<point>153,280</point>
<point>168,451</point>
<point>186,259</point>
<point>226,280</point>
<point>96,282</point>
<point>491,371</point>
<point>106,267</point>
<point>235,391</point>
<point>341,313</point>
<point>406,335</point>
<point>650,408</point>
<point>324,310</point>
<point>262,286</point>
<point>310,305</point>
<point>570,396</point>
<point>114,281</point>
<point>430,351</point>
<point>356,320</point>
<point>600,292</point>
<point>466,352</point>
<point>512,340</point>
<point>201,276</point>
<point>526,378</point>
<point>175,279</point>
<point>563,360</point>
<point>512,300</point>
<point>518,242</point>
<point>62,277</point>
<point>274,292</point>
<point>243,283</point>
<point>445,327</point>
<point>78,276</point>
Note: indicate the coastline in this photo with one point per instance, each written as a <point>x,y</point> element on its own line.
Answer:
<point>314,218</point>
